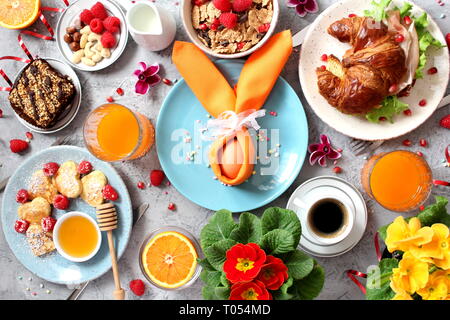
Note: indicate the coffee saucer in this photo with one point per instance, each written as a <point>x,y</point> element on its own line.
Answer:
<point>323,187</point>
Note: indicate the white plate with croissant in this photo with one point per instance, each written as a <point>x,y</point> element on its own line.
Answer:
<point>374,71</point>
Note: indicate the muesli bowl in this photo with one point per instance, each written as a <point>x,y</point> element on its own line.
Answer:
<point>262,10</point>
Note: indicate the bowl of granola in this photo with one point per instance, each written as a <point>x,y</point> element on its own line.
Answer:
<point>229,28</point>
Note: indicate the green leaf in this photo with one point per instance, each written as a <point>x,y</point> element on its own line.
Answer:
<point>216,253</point>
<point>278,218</point>
<point>249,229</point>
<point>435,213</point>
<point>277,241</point>
<point>390,106</point>
<point>205,264</point>
<point>222,293</point>
<point>421,22</point>
<point>282,293</point>
<point>208,293</point>
<point>378,284</point>
<point>309,287</point>
<point>405,10</point>
<point>218,228</point>
<point>378,11</point>
<point>224,281</point>
<point>211,278</point>
<point>299,264</point>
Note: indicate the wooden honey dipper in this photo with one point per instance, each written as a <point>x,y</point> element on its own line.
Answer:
<point>107,221</point>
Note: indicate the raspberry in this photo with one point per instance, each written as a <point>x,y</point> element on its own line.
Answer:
<point>21,226</point>
<point>86,16</point>
<point>99,11</point>
<point>50,169</point>
<point>264,28</point>
<point>109,193</point>
<point>199,2</point>
<point>445,122</point>
<point>84,167</point>
<point>242,5</point>
<point>17,145</point>
<point>48,223</point>
<point>112,24</point>
<point>137,287</point>
<point>156,177</point>
<point>22,196</point>
<point>228,20</point>
<point>223,5</point>
<point>61,202</point>
<point>96,25</point>
<point>108,40</point>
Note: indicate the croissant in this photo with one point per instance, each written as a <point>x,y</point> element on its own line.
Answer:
<point>376,62</point>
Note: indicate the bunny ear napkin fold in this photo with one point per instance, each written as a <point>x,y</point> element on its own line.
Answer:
<point>232,154</point>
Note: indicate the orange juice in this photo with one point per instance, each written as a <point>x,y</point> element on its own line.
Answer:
<point>77,236</point>
<point>113,132</point>
<point>399,180</point>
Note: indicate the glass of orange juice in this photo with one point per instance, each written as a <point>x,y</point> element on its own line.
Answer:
<point>112,132</point>
<point>399,180</point>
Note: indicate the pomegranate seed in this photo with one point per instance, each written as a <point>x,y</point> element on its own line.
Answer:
<point>119,91</point>
<point>407,112</point>
<point>420,154</point>
<point>383,119</point>
<point>203,27</point>
<point>171,206</point>
<point>432,70</point>
<point>141,185</point>
<point>407,19</point>
<point>423,103</point>
<point>167,82</point>
<point>399,38</point>
<point>422,207</point>
<point>393,88</point>
<point>324,58</point>
<point>110,99</point>
<point>447,38</point>
<point>352,15</point>
<point>240,45</point>
<point>423,142</point>
<point>214,27</point>
<point>29,135</point>
<point>337,169</point>
<point>323,68</point>
<point>1,113</point>
<point>407,142</point>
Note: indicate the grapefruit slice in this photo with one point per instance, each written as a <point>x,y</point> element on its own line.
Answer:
<point>18,14</point>
<point>170,259</point>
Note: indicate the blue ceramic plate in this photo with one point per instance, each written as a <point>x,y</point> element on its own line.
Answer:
<point>53,267</point>
<point>181,119</point>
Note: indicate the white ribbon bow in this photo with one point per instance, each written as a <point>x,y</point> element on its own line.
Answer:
<point>229,122</point>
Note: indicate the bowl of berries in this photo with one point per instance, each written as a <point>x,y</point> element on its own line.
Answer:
<point>92,36</point>
<point>229,28</point>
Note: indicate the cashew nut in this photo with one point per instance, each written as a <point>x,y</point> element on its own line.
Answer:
<point>105,52</point>
<point>86,30</point>
<point>87,50</point>
<point>97,58</point>
<point>88,62</point>
<point>76,58</point>
<point>83,40</point>
<point>94,37</point>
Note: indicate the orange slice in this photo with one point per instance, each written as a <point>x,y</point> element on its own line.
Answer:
<point>170,259</point>
<point>18,14</point>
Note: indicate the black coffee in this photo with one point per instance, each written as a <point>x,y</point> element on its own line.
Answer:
<point>327,217</point>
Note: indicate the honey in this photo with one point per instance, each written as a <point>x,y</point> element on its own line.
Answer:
<point>78,236</point>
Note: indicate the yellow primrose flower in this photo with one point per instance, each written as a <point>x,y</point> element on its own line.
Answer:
<point>402,296</point>
<point>402,236</point>
<point>410,276</point>
<point>437,248</point>
<point>436,288</point>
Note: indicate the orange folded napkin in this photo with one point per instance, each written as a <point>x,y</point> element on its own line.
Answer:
<point>257,78</point>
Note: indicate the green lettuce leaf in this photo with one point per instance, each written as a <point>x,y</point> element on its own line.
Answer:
<point>435,213</point>
<point>378,11</point>
<point>390,106</point>
<point>405,10</point>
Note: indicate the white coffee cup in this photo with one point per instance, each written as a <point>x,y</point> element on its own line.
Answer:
<point>151,26</point>
<point>327,238</point>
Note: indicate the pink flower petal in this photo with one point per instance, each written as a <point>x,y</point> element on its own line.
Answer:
<point>300,10</point>
<point>137,73</point>
<point>143,65</point>
<point>313,147</point>
<point>152,70</point>
<point>141,87</point>
<point>333,154</point>
<point>311,6</point>
<point>324,139</point>
<point>315,156</point>
<point>322,161</point>
<point>153,80</point>
<point>293,3</point>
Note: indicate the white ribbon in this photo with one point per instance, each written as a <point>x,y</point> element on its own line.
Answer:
<point>229,122</point>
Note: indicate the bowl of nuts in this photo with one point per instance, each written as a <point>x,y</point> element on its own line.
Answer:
<point>92,35</point>
<point>229,28</point>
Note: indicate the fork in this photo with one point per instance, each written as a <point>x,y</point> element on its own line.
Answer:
<point>359,147</point>
<point>58,142</point>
